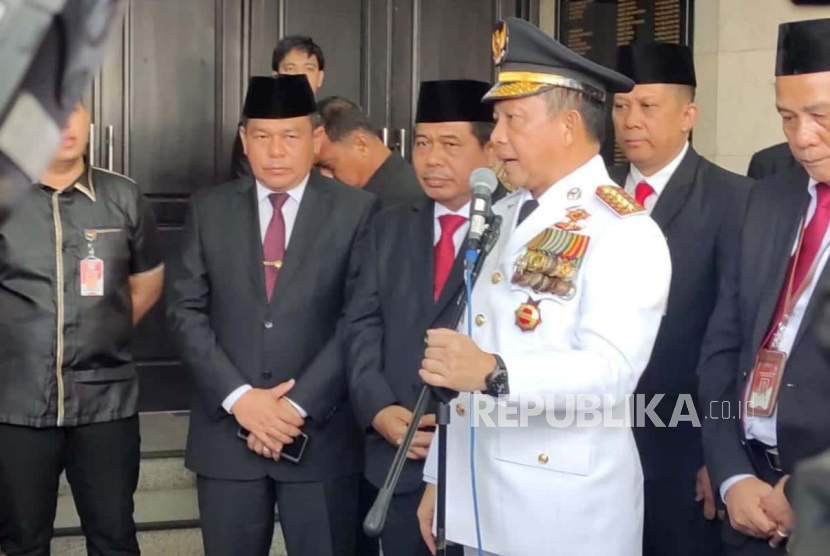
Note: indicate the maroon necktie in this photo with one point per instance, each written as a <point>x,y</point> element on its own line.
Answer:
<point>642,192</point>
<point>444,254</point>
<point>273,248</point>
<point>810,245</point>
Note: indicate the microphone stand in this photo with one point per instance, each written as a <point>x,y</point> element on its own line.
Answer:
<point>376,518</point>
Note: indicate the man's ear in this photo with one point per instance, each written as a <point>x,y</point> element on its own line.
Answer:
<point>244,139</point>
<point>361,142</point>
<point>690,117</point>
<point>321,76</point>
<point>317,138</point>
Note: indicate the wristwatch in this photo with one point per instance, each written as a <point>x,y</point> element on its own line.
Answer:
<point>496,380</point>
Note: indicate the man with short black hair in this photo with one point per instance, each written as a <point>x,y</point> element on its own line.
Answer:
<point>294,54</point>
<point>300,55</point>
<point>353,153</point>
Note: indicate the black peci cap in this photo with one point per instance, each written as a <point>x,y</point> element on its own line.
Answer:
<point>279,97</point>
<point>803,47</point>
<point>657,62</point>
<point>453,100</point>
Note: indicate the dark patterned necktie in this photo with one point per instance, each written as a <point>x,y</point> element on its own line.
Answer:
<point>273,248</point>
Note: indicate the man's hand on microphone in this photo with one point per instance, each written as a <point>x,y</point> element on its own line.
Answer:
<point>454,361</point>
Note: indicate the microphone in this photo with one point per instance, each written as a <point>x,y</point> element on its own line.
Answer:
<point>483,182</point>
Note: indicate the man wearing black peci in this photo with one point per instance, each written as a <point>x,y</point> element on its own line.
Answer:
<point>411,275</point>
<point>255,304</point>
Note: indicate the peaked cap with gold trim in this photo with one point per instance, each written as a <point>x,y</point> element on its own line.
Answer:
<point>530,62</point>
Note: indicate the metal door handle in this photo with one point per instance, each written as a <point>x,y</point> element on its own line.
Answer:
<point>110,147</point>
<point>402,142</point>
<point>384,136</point>
<point>91,144</point>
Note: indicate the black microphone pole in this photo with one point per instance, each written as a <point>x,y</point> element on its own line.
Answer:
<point>376,518</point>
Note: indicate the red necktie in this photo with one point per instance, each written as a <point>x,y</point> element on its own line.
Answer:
<point>444,254</point>
<point>810,245</point>
<point>642,192</point>
<point>273,248</point>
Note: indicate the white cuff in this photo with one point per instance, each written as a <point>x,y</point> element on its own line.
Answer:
<point>725,486</point>
<point>234,396</point>
<point>302,411</point>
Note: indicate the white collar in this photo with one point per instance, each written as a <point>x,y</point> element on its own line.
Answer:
<point>659,179</point>
<point>295,192</point>
<point>811,187</point>
<point>591,173</point>
<point>441,210</point>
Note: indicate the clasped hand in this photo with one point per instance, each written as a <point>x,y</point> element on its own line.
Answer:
<point>270,419</point>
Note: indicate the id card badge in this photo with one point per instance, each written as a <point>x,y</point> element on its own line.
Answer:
<point>92,277</point>
<point>766,383</point>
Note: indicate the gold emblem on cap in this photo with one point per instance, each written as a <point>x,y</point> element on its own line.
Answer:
<point>499,43</point>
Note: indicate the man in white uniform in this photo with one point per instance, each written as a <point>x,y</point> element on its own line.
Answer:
<point>567,306</point>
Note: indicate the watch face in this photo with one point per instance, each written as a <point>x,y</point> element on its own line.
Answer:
<point>497,382</point>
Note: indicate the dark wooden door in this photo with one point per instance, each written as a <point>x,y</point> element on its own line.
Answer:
<point>166,102</point>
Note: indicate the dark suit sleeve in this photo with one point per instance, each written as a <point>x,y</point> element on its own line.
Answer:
<point>755,170</point>
<point>363,340</point>
<point>323,386</point>
<point>718,373</point>
<point>188,293</point>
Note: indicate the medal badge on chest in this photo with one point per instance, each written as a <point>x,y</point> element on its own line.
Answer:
<point>574,216</point>
<point>528,315</point>
<point>550,264</point>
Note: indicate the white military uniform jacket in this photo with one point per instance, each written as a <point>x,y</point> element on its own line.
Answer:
<point>546,491</point>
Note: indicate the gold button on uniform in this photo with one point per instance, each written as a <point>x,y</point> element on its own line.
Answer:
<point>543,459</point>
<point>460,409</point>
<point>496,278</point>
<point>480,319</point>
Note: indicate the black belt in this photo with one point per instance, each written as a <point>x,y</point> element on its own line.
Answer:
<point>765,456</point>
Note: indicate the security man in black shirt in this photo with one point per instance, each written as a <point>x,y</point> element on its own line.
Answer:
<point>80,265</point>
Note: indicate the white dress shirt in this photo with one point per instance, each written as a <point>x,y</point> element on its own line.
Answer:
<point>289,213</point>
<point>763,429</point>
<point>657,181</point>
<point>460,234</point>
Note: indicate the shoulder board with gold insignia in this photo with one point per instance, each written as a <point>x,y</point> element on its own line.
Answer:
<point>618,200</point>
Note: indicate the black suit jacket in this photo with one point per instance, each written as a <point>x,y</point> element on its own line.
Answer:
<point>742,317</point>
<point>395,182</point>
<point>386,321</point>
<point>229,335</point>
<point>700,212</point>
<point>770,161</point>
